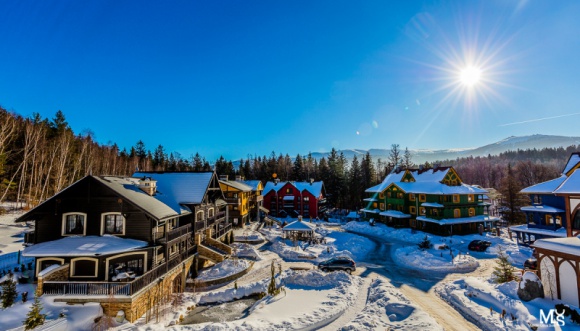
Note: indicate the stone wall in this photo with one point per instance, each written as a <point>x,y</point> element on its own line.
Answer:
<point>59,274</point>
<point>218,244</point>
<point>209,254</point>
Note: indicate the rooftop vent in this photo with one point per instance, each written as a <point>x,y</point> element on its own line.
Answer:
<point>148,185</point>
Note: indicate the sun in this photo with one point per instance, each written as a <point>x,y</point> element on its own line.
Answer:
<point>470,76</point>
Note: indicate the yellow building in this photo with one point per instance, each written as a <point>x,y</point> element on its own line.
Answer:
<point>256,198</point>
<point>237,196</point>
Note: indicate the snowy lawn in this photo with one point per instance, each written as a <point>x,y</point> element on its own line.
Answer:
<point>11,234</point>
<point>310,299</point>
<point>247,235</point>
<point>412,257</point>
<point>474,297</point>
<point>76,317</point>
<point>246,251</point>
<point>224,269</point>
<point>388,309</point>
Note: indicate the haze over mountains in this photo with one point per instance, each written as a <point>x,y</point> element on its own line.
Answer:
<point>512,143</point>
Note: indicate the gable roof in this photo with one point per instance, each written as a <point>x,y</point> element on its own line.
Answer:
<point>254,184</point>
<point>572,163</point>
<point>391,178</point>
<point>546,187</point>
<point>183,187</point>
<point>299,226</point>
<point>237,185</point>
<point>316,188</point>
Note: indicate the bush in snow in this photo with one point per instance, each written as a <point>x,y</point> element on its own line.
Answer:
<point>504,271</point>
<point>9,293</point>
<point>34,317</point>
<point>568,311</point>
<point>425,244</point>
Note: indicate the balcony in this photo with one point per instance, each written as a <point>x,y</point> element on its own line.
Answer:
<point>233,201</point>
<point>257,199</point>
<point>221,231</point>
<point>176,233</point>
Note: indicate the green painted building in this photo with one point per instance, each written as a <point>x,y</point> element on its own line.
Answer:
<point>433,200</point>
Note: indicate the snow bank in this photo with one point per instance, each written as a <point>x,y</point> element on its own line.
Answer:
<point>224,269</point>
<point>246,251</point>
<point>388,309</point>
<point>434,260</point>
<point>474,297</point>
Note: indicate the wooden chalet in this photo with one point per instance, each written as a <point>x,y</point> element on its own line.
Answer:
<point>120,236</point>
<point>553,213</point>
<point>256,199</point>
<point>307,199</point>
<point>433,200</point>
<point>238,198</point>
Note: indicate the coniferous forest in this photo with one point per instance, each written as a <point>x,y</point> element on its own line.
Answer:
<point>40,156</point>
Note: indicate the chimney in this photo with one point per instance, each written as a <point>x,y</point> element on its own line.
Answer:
<point>239,178</point>
<point>148,185</point>
<point>276,181</point>
<point>224,177</point>
<point>311,181</point>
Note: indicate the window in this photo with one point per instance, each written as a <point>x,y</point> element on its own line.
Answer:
<point>399,195</point>
<point>210,212</point>
<point>422,211</point>
<point>74,224</point>
<point>412,223</point>
<point>412,210</point>
<point>434,212</point>
<point>400,208</point>
<point>199,215</point>
<point>306,199</point>
<point>374,205</point>
<point>113,223</point>
<point>388,194</point>
<point>389,206</point>
<point>456,213</point>
<point>422,197</point>
<point>470,198</point>
<point>455,198</point>
<point>471,211</point>
<point>537,199</point>
<point>381,195</point>
<point>382,206</point>
<point>84,267</point>
<point>412,197</point>
<point>289,191</point>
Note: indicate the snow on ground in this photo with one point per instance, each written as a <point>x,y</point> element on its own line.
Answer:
<point>78,317</point>
<point>474,297</point>
<point>414,258</point>
<point>246,251</point>
<point>434,260</point>
<point>247,235</point>
<point>388,309</point>
<point>224,269</point>
<point>310,299</point>
<point>11,234</point>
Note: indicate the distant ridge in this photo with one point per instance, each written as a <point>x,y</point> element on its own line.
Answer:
<point>512,143</point>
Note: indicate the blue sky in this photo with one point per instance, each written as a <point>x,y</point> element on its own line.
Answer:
<point>234,78</point>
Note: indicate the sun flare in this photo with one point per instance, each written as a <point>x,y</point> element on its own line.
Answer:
<point>470,76</point>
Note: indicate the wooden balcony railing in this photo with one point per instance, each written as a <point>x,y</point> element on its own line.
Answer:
<point>221,231</point>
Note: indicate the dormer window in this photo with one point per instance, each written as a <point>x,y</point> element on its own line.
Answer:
<point>74,224</point>
<point>113,223</point>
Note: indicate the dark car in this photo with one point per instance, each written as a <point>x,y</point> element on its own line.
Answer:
<point>531,264</point>
<point>479,245</point>
<point>338,263</point>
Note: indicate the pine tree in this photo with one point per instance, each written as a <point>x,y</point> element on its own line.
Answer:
<point>9,293</point>
<point>395,155</point>
<point>512,200</point>
<point>34,317</point>
<point>408,159</point>
<point>298,170</point>
<point>503,272</point>
<point>272,290</point>
<point>355,184</point>
<point>425,243</point>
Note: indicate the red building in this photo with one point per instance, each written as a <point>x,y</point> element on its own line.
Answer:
<point>295,198</point>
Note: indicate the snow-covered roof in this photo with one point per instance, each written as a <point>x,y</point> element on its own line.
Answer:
<point>391,178</point>
<point>571,185</point>
<point>432,204</point>
<point>429,175</point>
<point>371,200</point>
<point>314,188</point>
<point>572,161</point>
<point>160,205</point>
<point>288,198</point>
<point>546,187</point>
<point>569,245</point>
<point>251,183</point>
<point>84,246</point>
<point>237,185</point>
<point>460,220</point>
<point>542,209</point>
<point>299,226</point>
<point>375,211</point>
<point>183,187</point>
<point>395,214</point>
<point>561,232</point>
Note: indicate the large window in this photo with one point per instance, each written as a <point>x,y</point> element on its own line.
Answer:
<point>113,223</point>
<point>471,212</point>
<point>455,198</point>
<point>470,198</point>
<point>456,213</point>
<point>74,224</point>
<point>84,267</point>
<point>422,197</point>
<point>412,197</point>
<point>412,210</point>
<point>421,210</point>
<point>199,215</point>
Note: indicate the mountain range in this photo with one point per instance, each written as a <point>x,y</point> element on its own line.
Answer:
<point>512,143</point>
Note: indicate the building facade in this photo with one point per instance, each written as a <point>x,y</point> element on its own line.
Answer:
<point>295,198</point>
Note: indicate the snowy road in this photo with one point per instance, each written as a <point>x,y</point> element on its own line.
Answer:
<point>417,286</point>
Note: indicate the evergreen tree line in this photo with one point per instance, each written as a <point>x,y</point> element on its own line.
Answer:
<point>39,157</point>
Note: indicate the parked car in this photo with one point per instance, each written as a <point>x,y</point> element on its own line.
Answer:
<point>338,263</point>
<point>479,245</point>
<point>531,263</point>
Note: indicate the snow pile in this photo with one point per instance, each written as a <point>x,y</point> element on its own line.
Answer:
<point>388,309</point>
<point>474,297</point>
<point>310,299</point>
<point>529,276</point>
<point>248,235</point>
<point>434,260</point>
<point>224,269</point>
<point>516,254</point>
<point>11,234</point>
<point>246,251</point>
